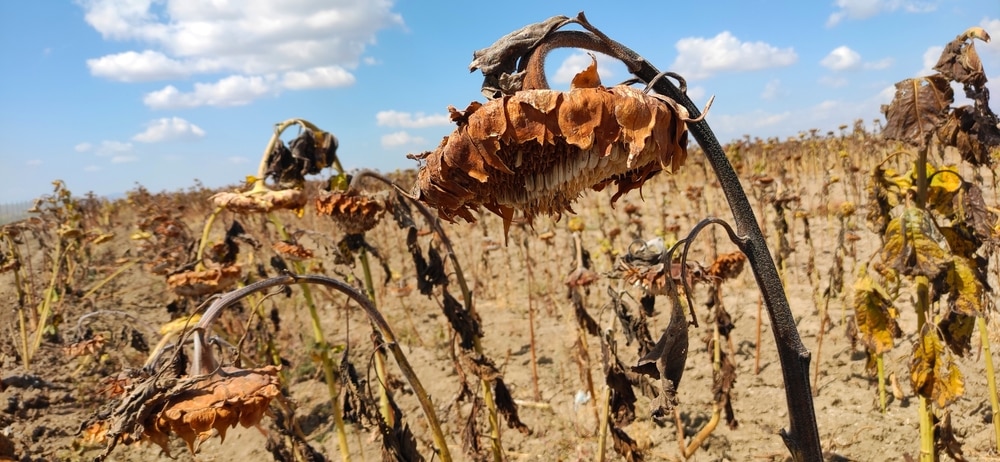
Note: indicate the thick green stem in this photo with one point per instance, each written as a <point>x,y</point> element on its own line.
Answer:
<point>991,379</point>
<point>880,365</point>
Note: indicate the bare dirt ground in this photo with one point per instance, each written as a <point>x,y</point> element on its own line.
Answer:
<point>42,406</point>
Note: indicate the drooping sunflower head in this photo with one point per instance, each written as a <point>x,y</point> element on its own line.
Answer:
<point>535,151</point>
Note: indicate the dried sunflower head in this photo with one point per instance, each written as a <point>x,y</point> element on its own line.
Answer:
<point>353,213</point>
<point>536,150</point>
<point>215,403</point>
<point>260,202</point>
<point>727,266</point>
<point>210,281</point>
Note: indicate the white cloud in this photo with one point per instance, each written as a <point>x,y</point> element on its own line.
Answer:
<point>123,159</point>
<point>33,162</point>
<point>841,58</point>
<point>148,65</point>
<point>238,160</point>
<point>169,129</point>
<point>317,77</point>
<point>772,90</point>
<point>700,58</point>
<point>864,9</point>
<point>833,81</point>
<point>931,56</point>
<point>305,44</point>
<point>400,139</point>
<point>696,93</point>
<point>110,148</point>
<point>91,168</point>
<point>748,123</point>
<point>410,120</point>
<point>883,63</point>
<point>235,90</point>
<point>83,147</point>
<point>992,49</point>
<point>577,62</point>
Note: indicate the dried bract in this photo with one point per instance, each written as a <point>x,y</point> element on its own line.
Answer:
<point>536,150</point>
<point>260,202</point>
<point>292,250</point>
<point>210,281</point>
<point>353,213</point>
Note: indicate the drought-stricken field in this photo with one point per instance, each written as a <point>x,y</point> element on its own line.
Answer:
<point>356,324</point>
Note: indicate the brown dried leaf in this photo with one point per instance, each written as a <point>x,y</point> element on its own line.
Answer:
<point>972,133</point>
<point>917,110</point>
<point>666,360</point>
<point>291,199</point>
<point>210,281</point>
<point>959,60</point>
<point>957,330</point>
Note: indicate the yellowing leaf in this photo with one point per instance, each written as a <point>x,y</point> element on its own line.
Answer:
<point>933,373</point>
<point>177,325</point>
<point>957,330</point>
<point>965,291</point>
<point>914,246</point>
<point>141,235</point>
<point>874,315</point>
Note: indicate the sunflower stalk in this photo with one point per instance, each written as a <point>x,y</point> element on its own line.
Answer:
<point>202,357</point>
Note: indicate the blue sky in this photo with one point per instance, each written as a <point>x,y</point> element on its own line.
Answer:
<point>104,94</point>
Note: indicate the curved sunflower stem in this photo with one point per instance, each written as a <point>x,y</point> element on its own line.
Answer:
<point>496,448</point>
<point>323,350</point>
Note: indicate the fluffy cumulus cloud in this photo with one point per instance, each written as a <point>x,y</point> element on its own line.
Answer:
<point>401,138</point>
<point>842,58</point>
<point>250,49</point>
<point>235,90</point>
<point>864,9</point>
<point>169,129</point>
<point>411,120</point>
<point>699,58</point>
